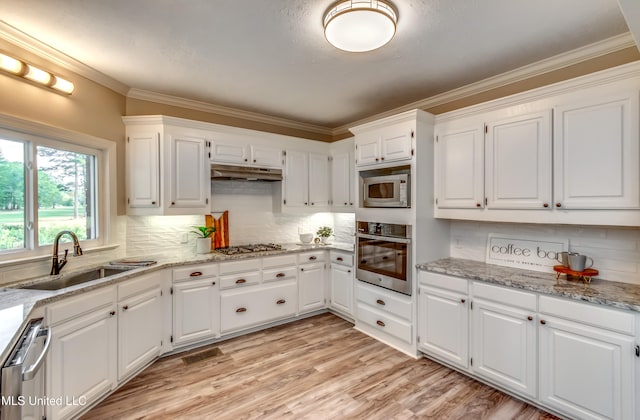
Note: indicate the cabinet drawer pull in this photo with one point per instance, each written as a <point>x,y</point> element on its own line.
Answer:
<point>313,258</point>
<point>339,259</point>
<point>543,322</point>
<point>240,310</point>
<point>530,318</point>
<point>348,271</point>
<point>463,300</point>
<point>195,274</point>
<point>380,323</point>
<point>125,307</point>
<point>281,302</point>
<point>112,313</point>
<point>380,302</point>
<point>280,275</point>
<point>240,281</point>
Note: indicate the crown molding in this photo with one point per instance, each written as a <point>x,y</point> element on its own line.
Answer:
<point>226,111</point>
<point>547,65</point>
<point>28,43</point>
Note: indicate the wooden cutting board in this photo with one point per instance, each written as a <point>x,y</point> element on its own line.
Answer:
<point>221,236</point>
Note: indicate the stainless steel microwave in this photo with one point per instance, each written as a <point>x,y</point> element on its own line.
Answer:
<point>393,190</point>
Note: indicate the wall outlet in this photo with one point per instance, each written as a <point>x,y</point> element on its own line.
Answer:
<point>185,238</point>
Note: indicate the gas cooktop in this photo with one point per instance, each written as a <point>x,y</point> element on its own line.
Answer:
<point>246,249</point>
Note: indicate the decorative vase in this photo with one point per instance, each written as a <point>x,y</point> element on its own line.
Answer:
<point>324,239</point>
<point>203,245</point>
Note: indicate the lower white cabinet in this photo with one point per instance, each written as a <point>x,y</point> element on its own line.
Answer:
<point>311,287</point>
<point>342,289</point>
<point>380,310</point>
<point>140,323</point>
<point>196,311</point>
<point>443,320</point>
<point>82,360</point>
<point>587,371</point>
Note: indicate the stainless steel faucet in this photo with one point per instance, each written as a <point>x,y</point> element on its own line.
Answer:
<point>57,266</point>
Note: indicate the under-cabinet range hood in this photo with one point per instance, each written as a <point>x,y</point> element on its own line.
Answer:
<point>226,172</point>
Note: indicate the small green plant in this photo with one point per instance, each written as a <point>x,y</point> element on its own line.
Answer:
<point>324,232</point>
<point>204,231</point>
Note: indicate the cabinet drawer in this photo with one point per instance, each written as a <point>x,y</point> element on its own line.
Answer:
<point>311,257</point>
<point>598,316</point>
<point>240,266</point>
<point>77,305</point>
<point>455,284</point>
<point>279,261</point>
<point>241,308</point>
<point>240,279</point>
<point>384,322</point>
<point>283,273</point>
<point>342,258</point>
<point>194,272</point>
<point>505,296</point>
<point>385,301</point>
<point>140,284</point>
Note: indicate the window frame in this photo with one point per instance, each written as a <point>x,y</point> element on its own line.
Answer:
<point>37,134</point>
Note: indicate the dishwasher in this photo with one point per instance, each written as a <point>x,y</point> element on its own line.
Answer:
<point>22,376</point>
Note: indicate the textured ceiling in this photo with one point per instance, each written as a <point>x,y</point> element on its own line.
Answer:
<point>270,56</point>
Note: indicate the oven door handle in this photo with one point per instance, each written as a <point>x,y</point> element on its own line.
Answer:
<point>30,373</point>
<point>384,238</point>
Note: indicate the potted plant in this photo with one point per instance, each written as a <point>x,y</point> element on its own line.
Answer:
<point>203,242</point>
<point>324,232</point>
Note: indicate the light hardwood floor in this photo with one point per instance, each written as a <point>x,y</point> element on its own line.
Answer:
<point>316,368</point>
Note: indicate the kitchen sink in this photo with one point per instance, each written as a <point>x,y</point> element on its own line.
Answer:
<point>77,278</point>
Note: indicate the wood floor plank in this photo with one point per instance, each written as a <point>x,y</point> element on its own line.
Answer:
<point>316,368</point>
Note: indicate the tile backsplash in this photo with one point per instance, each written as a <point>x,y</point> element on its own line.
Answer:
<point>615,251</point>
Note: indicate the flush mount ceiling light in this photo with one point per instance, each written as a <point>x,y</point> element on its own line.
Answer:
<point>39,76</point>
<point>358,26</point>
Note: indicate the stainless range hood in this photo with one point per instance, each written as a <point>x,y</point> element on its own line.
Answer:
<point>227,172</point>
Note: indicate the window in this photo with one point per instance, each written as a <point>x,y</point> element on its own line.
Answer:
<point>46,186</point>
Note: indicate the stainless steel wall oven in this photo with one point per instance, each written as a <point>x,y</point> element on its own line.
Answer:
<point>384,255</point>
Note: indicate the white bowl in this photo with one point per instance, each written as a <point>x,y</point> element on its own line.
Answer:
<point>306,238</point>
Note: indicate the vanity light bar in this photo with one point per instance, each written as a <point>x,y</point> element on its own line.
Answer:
<point>35,74</point>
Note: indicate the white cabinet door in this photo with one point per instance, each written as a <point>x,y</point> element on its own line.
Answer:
<point>296,179</point>
<point>143,163</point>
<point>367,149</point>
<point>505,346</point>
<point>396,142</point>
<point>229,152</point>
<point>188,173</point>
<point>443,325</point>
<point>596,152</point>
<point>460,166</point>
<point>139,331</point>
<point>319,185</point>
<point>342,180</point>
<point>82,361</point>
<point>342,289</point>
<point>518,162</point>
<point>311,287</point>
<point>196,311</point>
<point>266,157</point>
<point>586,372</point>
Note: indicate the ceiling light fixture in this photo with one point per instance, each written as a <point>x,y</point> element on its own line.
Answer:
<point>358,25</point>
<point>39,76</point>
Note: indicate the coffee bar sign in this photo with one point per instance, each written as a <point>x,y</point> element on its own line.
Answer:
<point>529,254</point>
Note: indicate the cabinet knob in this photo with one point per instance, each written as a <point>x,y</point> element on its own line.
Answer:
<point>125,307</point>
<point>254,161</point>
<point>213,283</point>
<point>545,205</point>
<point>280,275</point>
<point>240,281</point>
<point>380,323</point>
<point>112,313</point>
<point>351,204</point>
<point>463,300</point>
<point>195,274</point>
<point>281,302</point>
<point>339,259</point>
<point>173,203</point>
<point>380,302</point>
<point>312,258</point>
<point>153,202</point>
<point>246,160</point>
<point>558,204</point>
<point>305,203</point>
<point>348,271</point>
<point>377,159</point>
<point>530,318</point>
<point>382,158</point>
<point>543,322</point>
<point>313,204</point>
<point>302,269</point>
<point>240,310</point>
<point>478,205</point>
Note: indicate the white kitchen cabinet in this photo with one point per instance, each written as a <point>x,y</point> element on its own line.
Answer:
<point>443,318</point>
<point>385,315</point>
<point>140,323</point>
<point>196,304</point>
<point>586,360</point>
<point>459,162</point>
<point>597,151</point>
<point>82,360</point>
<point>306,180</point>
<point>311,287</point>
<point>168,167</point>
<point>385,144</point>
<point>342,275</point>
<point>504,338</point>
<point>343,194</point>
<point>240,150</point>
<point>518,162</point>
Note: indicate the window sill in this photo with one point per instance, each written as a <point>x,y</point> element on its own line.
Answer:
<point>38,258</point>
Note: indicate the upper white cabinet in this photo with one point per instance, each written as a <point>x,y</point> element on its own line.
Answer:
<point>306,180</point>
<point>241,150</point>
<point>342,181</point>
<point>168,167</point>
<point>518,162</point>
<point>460,165</point>
<point>385,144</point>
<point>596,151</point>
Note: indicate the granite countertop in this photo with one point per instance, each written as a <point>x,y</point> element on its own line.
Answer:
<point>16,305</point>
<point>603,292</point>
